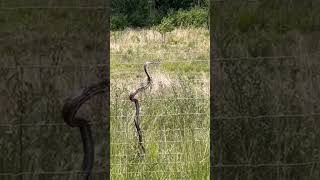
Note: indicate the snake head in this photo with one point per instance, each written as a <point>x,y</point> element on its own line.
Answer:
<point>150,62</point>
<point>145,68</point>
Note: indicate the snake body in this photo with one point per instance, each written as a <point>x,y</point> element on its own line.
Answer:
<point>136,102</point>
<point>69,111</point>
<point>72,105</point>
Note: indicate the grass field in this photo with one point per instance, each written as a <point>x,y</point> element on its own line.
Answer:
<point>175,112</point>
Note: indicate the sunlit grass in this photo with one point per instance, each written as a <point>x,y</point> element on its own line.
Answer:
<point>175,112</point>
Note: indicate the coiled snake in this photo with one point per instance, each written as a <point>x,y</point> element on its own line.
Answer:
<point>69,111</point>
<point>136,102</point>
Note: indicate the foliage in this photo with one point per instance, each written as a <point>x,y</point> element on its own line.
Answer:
<point>146,13</point>
<point>118,22</point>
<point>165,6</point>
<point>129,13</point>
<point>195,17</point>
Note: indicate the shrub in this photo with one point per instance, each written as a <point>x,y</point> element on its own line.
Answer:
<point>118,22</point>
<point>195,17</point>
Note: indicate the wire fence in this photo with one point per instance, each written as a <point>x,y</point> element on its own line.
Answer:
<point>174,117</point>
<point>265,117</point>
<point>300,61</point>
<point>37,123</point>
<point>46,57</point>
<point>280,122</point>
<point>37,140</point>
<point>129,143</point>
<point>270,117</point>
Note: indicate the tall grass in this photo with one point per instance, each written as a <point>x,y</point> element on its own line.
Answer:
<point>40,57</point>
<point>175,112</point>
<point>270,104</point>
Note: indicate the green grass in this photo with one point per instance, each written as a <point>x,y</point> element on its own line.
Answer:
<point>175,112</point>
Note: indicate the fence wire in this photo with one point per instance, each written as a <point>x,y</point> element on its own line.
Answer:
<point>174,117</point>
<point>265,120</point>
<point>290,115</point>
<point>20,69</point>
<point>38,37</point>
<point>42,81</point>
<point>32,119</point>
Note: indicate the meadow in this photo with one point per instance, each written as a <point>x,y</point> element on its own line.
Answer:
<point>174,112</point>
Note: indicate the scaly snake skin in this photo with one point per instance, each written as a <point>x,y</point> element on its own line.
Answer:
<point>136,102</point>
<point>69,111</point>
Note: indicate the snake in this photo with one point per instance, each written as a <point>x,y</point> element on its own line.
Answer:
<point>69,111</point>
<point>137,106</point>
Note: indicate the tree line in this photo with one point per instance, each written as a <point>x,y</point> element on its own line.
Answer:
<point>147,13</point>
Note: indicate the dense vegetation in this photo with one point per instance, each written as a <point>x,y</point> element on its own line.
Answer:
<point>48,55</point>
<point>261,24</point>
<point>266,93</point>
<point>147,13</point>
